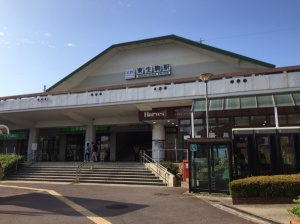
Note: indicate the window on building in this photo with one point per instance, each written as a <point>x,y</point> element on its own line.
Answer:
<point>294,119</point>
<point>258,121</point>
<point>281,120</point>
<point>241,121</point>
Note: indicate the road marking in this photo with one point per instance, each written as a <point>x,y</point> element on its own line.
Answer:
<point>88,214</point>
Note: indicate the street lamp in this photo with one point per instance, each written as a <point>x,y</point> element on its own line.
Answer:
<point>205,77</point>
<point>5,128</point>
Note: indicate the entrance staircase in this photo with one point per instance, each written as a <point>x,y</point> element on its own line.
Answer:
<point>101,173</point>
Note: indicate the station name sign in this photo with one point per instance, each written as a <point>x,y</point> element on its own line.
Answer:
<point>148,71</point>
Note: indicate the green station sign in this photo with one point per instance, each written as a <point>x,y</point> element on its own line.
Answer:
<point>193,147</point>
<point>74,129</point>
<point>79,129</point>
<point>14,136</point>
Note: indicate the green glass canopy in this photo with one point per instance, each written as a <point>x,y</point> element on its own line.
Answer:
<point>248,102</point>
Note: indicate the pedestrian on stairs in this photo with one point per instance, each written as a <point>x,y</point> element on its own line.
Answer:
<point>95,151</point>
<point>136,150</point>
<point>87,152</point>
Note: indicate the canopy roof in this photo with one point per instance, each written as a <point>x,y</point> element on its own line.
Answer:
<point>248,102</point>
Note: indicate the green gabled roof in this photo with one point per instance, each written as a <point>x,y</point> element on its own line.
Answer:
<point>168,37</point>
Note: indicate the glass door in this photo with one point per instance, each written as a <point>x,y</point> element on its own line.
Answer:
<point>210,167</point>
<point>103,142</point>
<point>263,145</point>
<point>75,148</point>
<point>288,156</point>
<point>219,162</point>
<point>200,168</point>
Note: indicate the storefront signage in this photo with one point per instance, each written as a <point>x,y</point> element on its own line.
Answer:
<point>140,127</point>
<point>102,128</point>
<point>83,128</point>
<point>74,129</point>
<point>13,136</point>
<point>148,71</point>
<point>159,114</point>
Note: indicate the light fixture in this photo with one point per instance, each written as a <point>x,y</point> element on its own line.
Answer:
<point>205,77</point>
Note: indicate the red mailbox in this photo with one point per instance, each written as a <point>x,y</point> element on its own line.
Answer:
<point>185,170</point>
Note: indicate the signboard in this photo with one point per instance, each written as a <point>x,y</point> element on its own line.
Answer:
<point>83,128</point>
<point>74,129</point>
<point>34,146</point>
<point>129,74</point>
<point>148,71</point>
<point>14,136</point>
<point>193,147</point>
<point>102,128</point>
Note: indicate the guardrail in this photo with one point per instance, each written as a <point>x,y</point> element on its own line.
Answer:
<point>159,170</point>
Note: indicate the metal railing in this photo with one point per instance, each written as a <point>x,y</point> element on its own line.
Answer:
<point>159,170</point>
<point>79,167</point>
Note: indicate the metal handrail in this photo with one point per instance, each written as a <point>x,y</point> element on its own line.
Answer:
<point>157,168</point>
<point>78,170</point>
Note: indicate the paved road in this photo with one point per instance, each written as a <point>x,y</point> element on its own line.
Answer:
<point>36,202</point>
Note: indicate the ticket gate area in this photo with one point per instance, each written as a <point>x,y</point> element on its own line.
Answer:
<point>265,151</point>
<point>210,164</point>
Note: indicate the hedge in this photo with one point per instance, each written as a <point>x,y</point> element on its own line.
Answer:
<point>266,186</point>
<point>8,161</point>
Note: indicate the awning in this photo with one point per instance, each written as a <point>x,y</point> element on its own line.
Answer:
<point>248,102</point>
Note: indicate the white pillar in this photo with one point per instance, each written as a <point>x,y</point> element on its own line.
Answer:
<point>158,142</point>
<point>90,135</point>
<point>276,117</point>
<point>32,140</point>
<point>192,125</point>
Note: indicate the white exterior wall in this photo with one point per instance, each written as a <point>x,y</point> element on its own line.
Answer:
<point>185,60</point>
<point>274,83</point>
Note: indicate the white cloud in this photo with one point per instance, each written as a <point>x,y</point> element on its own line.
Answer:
<point>1,34</point>
<point>27,41</point>
<point>47,34</point>
<point>70,45</point>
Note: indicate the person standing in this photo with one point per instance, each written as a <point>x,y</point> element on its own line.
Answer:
<point>102,154</point>
<point>95,151</point>
<point>87,152</point>
<point>136,150</point>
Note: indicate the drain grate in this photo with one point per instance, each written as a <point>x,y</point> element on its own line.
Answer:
<point>116,207</point>
<point>161,194</point>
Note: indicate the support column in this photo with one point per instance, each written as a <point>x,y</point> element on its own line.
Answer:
<point>113,147</point>
<point>32,143</point>
<point>90,135</point>
<point>158,142</point>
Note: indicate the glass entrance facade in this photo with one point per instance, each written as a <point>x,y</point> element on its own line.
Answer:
<point>266,151</point>
<point>75,147</point>
<point>210,165</point>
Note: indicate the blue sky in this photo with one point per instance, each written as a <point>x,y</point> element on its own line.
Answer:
<point>42,41</point>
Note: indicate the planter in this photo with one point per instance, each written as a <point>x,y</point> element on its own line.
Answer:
<point>295,221</point>
<point>262,200</point>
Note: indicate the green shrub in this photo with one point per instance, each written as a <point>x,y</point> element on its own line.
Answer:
<point>171,167</point>
<point>296,209</point>
<point>266,186</point>
<point>8,161</point>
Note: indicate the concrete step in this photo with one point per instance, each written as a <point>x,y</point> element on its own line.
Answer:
<point>112,173</point>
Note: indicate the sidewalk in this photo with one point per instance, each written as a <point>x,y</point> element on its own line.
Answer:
<point>259,213</point>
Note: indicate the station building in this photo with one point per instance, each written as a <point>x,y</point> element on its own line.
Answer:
<point>144,92</point>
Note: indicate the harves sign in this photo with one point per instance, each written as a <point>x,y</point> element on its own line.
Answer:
<point>148,71</point>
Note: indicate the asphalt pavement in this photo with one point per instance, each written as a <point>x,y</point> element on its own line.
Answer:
<point>40,202</point>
